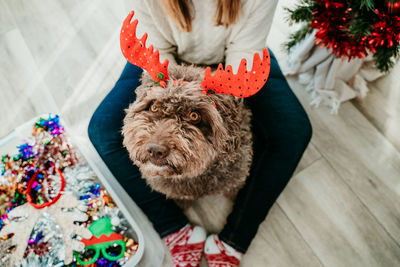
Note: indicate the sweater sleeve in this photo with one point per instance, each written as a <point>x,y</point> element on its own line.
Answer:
<point>157,36</point>
<point>249,34</point>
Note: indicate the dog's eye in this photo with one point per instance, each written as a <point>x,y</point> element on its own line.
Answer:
<point>194,117</point>
<point>154,108</point>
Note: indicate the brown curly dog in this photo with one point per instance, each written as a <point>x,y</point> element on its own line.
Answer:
<point>185,143</point>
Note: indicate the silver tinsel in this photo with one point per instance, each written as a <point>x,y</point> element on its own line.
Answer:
<point>53,236</point>
<point>5,255</point>
<point>78,178</point>
<point>36,261</point>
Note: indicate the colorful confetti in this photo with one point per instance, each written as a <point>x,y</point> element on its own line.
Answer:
<point>43,157</point>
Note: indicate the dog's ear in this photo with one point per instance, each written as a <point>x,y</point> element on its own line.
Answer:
<point>142,102</point>
<point>227,109</point>
<point>219,133</point>
<point>224,128</point>
<point>146,80</point>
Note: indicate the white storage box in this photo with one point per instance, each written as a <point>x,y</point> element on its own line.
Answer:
<point>150,250</point>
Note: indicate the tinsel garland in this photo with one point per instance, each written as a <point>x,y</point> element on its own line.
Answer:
<point>351,29</point>
<point>38,157</point>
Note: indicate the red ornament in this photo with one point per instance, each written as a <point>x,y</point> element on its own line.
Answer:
<point>54,200</point>
<point>101,239</point>
<point>385,32</point>
<point>333,18</point>
<point>332,21</point>
<point>393,8</point>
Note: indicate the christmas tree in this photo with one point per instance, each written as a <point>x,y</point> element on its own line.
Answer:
<point>351,29</point>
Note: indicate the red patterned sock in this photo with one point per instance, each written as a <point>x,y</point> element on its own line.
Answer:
<point>186,246</point>
<point>220,254</point>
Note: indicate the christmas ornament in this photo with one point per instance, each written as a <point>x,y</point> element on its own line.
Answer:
<point>351,29</point>
<point>104,241</point>
<point>48,198</point>
<point>393,6</point>
<point>385,33</point>
<point>52,125</point>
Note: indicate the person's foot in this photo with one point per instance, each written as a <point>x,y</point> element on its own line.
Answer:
<point>186,246</point>
<point>220,254</point>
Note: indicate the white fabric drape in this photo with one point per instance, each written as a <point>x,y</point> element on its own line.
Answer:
<point>330,80</point>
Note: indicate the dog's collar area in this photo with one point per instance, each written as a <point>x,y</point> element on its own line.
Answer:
<point>163,83</point>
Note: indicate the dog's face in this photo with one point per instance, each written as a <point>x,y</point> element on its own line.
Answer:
<point>175,131</point>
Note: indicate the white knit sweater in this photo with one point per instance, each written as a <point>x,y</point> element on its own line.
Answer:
<point>206,43</point>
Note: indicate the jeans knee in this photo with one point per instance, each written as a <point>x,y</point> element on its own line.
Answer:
<point>306,134</point>
<point>303,135</point>
<point>293,139</point>
<point>94,130</point>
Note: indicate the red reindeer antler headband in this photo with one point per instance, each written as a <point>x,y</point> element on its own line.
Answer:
<point>242,84</point>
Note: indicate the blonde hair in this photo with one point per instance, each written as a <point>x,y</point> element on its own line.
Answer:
<point>227,12</point>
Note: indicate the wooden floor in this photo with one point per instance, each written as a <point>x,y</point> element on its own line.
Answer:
<point>342,207</point>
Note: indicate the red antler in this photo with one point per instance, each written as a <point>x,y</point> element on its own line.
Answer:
<point>244,83</point>
<point>135,51</point>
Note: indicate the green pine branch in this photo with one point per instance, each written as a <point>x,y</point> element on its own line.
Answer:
<point>302,12</point>
<point>385,57</point>
<point>361,25</point>
<point>298,36</point>
<point>369,4</point>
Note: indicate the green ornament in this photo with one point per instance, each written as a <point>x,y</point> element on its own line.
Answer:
<point>101,226</point>
<point>104,239</point>
<point>160,76</point>
<point>210,92</point>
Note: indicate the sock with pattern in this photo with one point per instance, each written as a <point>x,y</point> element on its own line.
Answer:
<point>220,254</point>
<point>186,246</point>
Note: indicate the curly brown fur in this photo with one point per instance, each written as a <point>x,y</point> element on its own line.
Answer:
<point>210,157</point>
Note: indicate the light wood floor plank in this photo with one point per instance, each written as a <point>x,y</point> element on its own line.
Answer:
<point>6,18</point>
<point>332,220</point>
<point>382,108</point>
<point>93,86</point>
<point>43,24</point>
<point>310,155</point>
<point>23,94</point>
<point>363,158</point>
<point>278,243</point>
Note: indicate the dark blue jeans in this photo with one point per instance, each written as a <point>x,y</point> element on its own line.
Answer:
<point>281,130</point>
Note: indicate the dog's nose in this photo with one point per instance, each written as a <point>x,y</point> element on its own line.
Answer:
<point>157,151</point>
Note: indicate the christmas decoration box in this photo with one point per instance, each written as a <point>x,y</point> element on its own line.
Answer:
<point>61,206</point>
